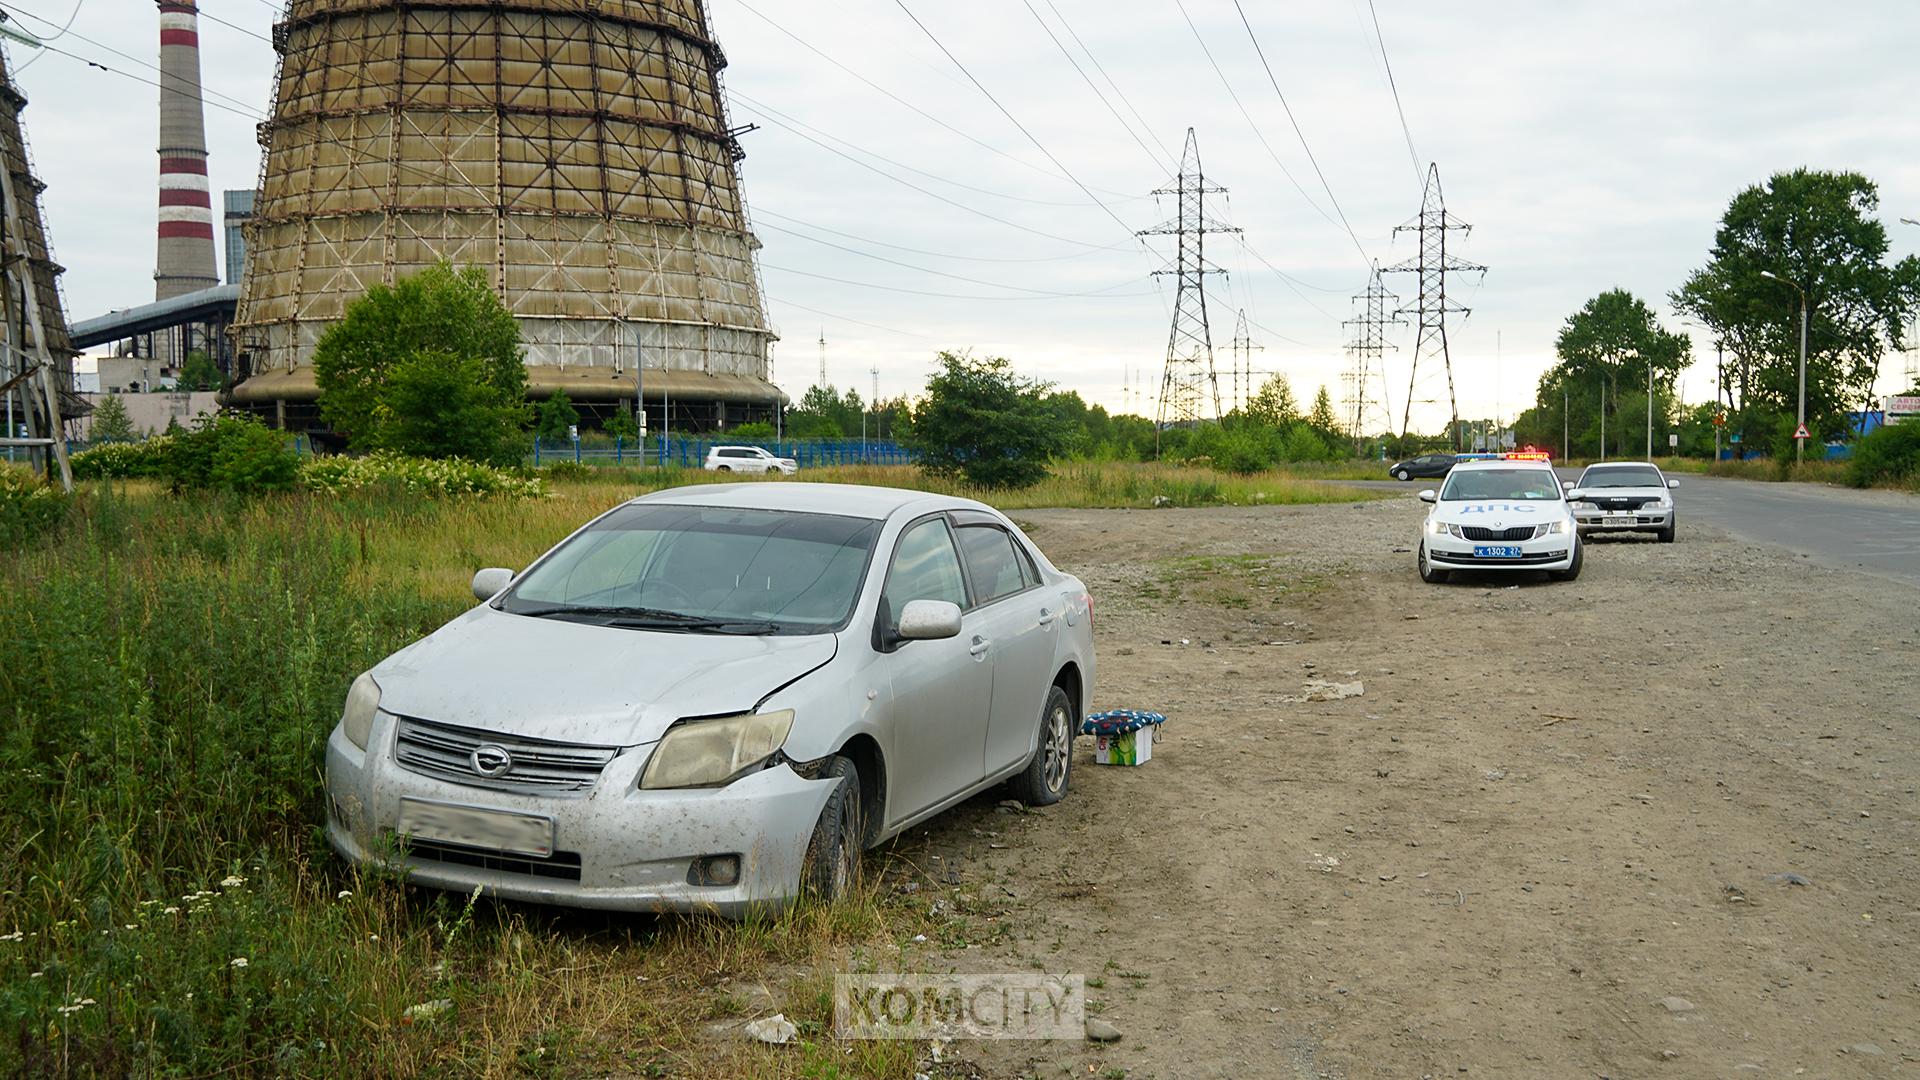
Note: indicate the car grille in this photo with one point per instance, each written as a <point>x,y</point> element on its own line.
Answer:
<point>540,766</point>
<point>563,865</point>
<point>1629,503</point>
<point>1482,533</point>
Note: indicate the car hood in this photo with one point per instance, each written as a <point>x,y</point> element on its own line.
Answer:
<point>1498,514</point>
<point>577,682</point>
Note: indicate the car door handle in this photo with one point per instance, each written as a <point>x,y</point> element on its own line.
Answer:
<point>1046,617</point>
<point>978,648</point>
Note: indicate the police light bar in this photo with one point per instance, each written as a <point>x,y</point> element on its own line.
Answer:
<point>1478,457</point>
<point>1528,455</point>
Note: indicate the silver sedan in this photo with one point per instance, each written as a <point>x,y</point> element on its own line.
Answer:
<point>713,698</point>
<point>1625,496</point>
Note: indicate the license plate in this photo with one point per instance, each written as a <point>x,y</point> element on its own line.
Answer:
<point>497,830</point>
<point>1495,551</point>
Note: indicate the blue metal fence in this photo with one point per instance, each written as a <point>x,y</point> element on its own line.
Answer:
<point>692,453</point>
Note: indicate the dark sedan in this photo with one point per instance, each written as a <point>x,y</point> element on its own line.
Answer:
<point>1424,465</point>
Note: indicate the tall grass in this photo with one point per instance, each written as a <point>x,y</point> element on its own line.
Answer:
<point>168,673</point>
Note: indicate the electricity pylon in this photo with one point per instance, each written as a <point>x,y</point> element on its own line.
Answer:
<point>1433,264</point>
<point>1190,378</point>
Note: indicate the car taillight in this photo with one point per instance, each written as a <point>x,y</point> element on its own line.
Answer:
<point>1088,597</point>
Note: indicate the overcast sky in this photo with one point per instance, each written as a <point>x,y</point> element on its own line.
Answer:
<point>1590,145</point>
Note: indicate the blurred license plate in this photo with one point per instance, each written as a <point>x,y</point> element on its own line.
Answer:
<point>497,830</point>
<point>1495,551</point>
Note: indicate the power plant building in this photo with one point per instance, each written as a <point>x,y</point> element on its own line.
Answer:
<point>577,150</point>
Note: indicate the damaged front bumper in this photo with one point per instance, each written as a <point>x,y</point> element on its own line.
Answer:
<point>614,846</point>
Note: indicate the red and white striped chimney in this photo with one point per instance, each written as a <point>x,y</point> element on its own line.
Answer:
<point>186,257</point>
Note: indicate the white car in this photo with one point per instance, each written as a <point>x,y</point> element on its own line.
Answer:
<point>713,698</point>
<point>1625,496</point>
<point>748,459</point>
<point>1499,512</point>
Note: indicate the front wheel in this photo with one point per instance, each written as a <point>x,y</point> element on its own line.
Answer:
<point>1430,573</point>
<point>1403,476</point>
<point>1573,569</point>
<point>1045,780</point>
<point>1666,534</point>
<point>832,867</point>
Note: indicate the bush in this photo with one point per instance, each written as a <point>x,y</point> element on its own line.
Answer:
<point>567,472</point>
<point>123,461</point>
<point>758,431</point>
<point>231,453</point>
<point>558,418</point>
<point>439,405</point>
<point>415,476</point>
<point>28,508</point>
<point>982,421</point>
<point>1888,456</point>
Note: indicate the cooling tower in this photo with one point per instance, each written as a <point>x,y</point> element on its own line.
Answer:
<point>578,150</point>
<point>186,262</point>
<point>39,258</point>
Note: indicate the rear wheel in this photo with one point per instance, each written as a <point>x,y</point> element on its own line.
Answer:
<point>1430,573</point>
<point>832,867</point>
<point>724,468</point>
<point>1573,570</point>
<point>1045,780</point>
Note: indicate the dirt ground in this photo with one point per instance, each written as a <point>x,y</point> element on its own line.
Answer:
<point>1551,837</point>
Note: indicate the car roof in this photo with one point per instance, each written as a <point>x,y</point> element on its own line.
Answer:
<point>1517,463</point>
<point>1624,465</point>
<point>731,446</point>
<point>847,500</point>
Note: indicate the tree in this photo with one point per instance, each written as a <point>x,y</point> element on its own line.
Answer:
<point>1812,229</point>
<point>980,420</point>
<point>1606,350</point>
<point>557,417</point>
<point>442,328</point>
<point>439,404</point>
<point>111,422</point>
<point>199,373</point>
<point>1322,419</point>
<point>1273,403</point>
<point>621,425</point>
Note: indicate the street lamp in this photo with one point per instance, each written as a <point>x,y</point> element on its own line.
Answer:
<point>1799,444</point>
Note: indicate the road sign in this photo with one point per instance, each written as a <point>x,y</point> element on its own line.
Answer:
<point>1801,432</point>
<point>1719,419</point>
<point>1672,441</point>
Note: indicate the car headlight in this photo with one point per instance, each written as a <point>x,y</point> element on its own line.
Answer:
<point>1662,504</point>
<point>706,753</point>
<point>363,700</point>
<point>1586,506</point>
<point>1554,528</point>
<point>1438,527</point>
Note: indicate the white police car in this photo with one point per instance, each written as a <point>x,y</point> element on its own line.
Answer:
<point>1499,512</point>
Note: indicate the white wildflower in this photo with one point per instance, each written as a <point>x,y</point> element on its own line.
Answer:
<point>130,926</point>
<point>344,894</point>
<point>239,961</point>
<point>17,935</point>
<point>232,881</point>
<point>170,911</point>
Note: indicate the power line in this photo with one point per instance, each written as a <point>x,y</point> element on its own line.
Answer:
<point>1408,132</point>
<point>842,318</point>
<point>765,213</point>
<point>1064,171</point>
<point>1097,294</point>
<point>55,36</point>
<point>920,269</point>
<point>1091,85</point>
<point>1262,53</point>
<point>244,105</point>
<point>1121,94</point>
<point>897,99</point>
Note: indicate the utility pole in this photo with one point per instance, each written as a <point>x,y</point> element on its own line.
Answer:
<point>1190,377</point>
<point>1432,265</point>
<point>1566,422</point>
<point>1799,441</point>
<point>822,383</point>
<point>1368,349</point>
<point>1243,350</point>
<point>1649,410</point>
<point>1603,417</point>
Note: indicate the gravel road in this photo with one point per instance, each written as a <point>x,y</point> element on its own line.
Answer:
<point>1659,821</point>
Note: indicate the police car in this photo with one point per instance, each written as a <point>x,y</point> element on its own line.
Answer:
<point>1499,512</point>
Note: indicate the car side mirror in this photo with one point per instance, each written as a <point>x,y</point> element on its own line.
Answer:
<point>929,620</point>
<point>488,583</point>
<point>1429,495</point>
<point>1566,485</point>
<point>1576,493</point>
<point>1673,483</point>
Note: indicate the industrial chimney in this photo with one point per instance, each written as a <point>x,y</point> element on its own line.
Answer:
<point>186,261</point>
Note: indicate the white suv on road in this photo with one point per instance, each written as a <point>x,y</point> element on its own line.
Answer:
<point>748,459</point>
<point>1499,512</point>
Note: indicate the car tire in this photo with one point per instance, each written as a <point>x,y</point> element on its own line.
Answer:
<point>1403,476</point>
<point>1573,571</point>
<point>1666,534</point>
<point>1045,779</point>
<point>1430,573</point>
<point>723,468</point>
<point>832,867</point>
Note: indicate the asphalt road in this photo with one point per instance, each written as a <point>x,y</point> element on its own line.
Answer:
<point>1875,531</point>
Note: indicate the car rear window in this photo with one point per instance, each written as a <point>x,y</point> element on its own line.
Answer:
<point>992,562</point>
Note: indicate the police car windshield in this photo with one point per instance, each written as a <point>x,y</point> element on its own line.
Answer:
<point>1510,484</point>
<point>1624,477</point>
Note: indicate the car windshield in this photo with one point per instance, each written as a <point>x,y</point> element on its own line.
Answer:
<point>704,569</point>
<point>1634,476</point>
<point>1527,484</point>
